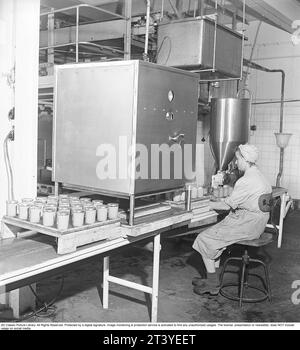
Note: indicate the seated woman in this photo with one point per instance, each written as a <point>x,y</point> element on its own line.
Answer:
<point>245,220</point>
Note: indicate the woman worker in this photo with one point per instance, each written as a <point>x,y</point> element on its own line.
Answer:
<point>245,220</point>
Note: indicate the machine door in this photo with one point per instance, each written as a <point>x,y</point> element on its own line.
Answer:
<point>166,120</point>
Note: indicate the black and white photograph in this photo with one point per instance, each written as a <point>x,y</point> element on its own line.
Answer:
<point>149,167</point>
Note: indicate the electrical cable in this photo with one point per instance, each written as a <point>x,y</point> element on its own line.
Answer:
<point>170,49</point>
<point>46,310</point>
<point>8,166</point>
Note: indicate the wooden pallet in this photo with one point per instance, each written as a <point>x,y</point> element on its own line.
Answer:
<point>70,239</point>
<point>195,203</point>
<point>161,221</point>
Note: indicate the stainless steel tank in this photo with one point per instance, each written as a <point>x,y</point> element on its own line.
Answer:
<point>229,127</point>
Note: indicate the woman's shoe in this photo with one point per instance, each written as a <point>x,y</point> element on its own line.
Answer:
<point>198,281</point>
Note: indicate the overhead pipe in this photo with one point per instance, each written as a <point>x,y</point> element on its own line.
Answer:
<point>145,54</point>
<point>264,69</point>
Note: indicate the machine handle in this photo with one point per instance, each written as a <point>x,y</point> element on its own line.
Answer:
<point>178,138</point>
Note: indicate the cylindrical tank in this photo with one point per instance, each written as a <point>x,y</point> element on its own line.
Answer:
<point>229,127</point>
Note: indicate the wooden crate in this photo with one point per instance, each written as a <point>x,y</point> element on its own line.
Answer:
<point>70,239</point>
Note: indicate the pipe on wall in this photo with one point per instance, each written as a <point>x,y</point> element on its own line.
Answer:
<point>264,69</point>
<point>145,54</point>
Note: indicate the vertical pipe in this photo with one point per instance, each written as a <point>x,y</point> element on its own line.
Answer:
<point>195,7</point>
<point>201,10</point>
<point>243,38</point>
<point>162,9</point>
<point>77,33</point>
<point>145,55</point>
<point>215,36</point>
<point>282,100</point>
<point>127,41</point>
<point>50,52</point>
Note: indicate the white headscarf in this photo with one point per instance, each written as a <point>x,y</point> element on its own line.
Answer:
<point>249,152</point>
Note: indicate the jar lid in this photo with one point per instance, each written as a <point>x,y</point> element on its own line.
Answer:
<point>63,213</point>
<point>23,204</point>
<point>101,206</point>
<point>49,210</point>
<point>113,204</point>
<point>90,208</point>
<point>77,210</point>
<point>27,200</point>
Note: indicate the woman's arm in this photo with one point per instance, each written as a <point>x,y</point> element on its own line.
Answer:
<point>219,205</point>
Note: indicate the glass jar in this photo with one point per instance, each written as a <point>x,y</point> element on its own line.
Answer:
<point>23,211</point>
<point>77,218</point>
<point>48,217</point>
<point>216,192</point>
<point>11,208</point>
<point>101,212</point>
<point>97,202</point>
<point>194,192</point>
<point>34,214</point>
<point>200,192</point>
<point>62,220</point>
<point>90,215</point>
<point>112,210</point>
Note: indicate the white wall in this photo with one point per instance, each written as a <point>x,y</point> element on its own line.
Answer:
<point>275,50</point>
<point>6,92</point>
<point>19,49</point>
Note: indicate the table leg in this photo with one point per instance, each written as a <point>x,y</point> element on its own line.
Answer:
<point>105,281</point>
<point>281,217</point>
<point>56,188</point>
<point>155,281</point>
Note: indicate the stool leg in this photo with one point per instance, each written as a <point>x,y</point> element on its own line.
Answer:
<point>266,270</point>
<point>268,282</point>
<point>224,267</point>
<point>242,284</point>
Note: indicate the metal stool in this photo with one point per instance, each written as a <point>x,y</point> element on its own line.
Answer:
<point>246,260</point>
<point>266,203</point>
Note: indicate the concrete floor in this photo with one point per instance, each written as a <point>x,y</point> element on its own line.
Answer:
<point>80,299</point>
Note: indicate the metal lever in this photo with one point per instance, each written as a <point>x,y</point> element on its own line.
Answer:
<point>178,138</point>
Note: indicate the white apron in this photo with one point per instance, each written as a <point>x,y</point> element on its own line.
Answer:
<point>246,221</point>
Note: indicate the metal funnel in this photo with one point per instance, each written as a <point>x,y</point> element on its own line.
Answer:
<point>229,127</point>
<point>223,153</point>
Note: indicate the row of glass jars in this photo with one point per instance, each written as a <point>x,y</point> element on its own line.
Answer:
<point>222,191</point>
<point>47,209</point>
<point>196,192</point>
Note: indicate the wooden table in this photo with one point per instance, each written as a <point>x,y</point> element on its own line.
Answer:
<point>31,254</point>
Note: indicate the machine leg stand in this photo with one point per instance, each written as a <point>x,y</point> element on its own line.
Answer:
<point>105,281</point>
<point>155,282</point>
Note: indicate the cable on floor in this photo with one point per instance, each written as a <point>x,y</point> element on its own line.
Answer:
<point>46,309</point>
